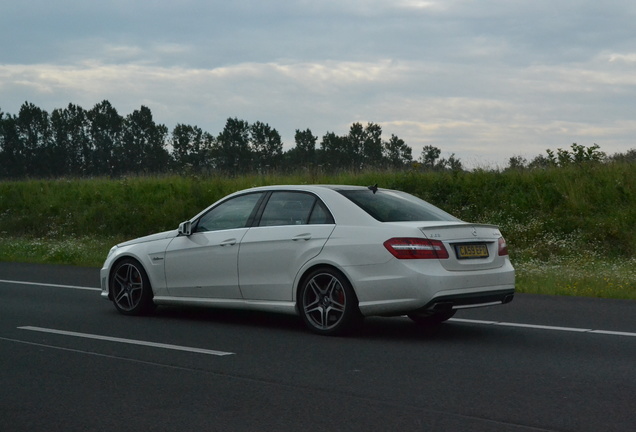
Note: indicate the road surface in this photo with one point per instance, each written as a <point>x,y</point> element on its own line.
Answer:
<point>70,362</point>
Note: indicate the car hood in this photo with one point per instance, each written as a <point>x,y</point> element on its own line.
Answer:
<point>150,238</point>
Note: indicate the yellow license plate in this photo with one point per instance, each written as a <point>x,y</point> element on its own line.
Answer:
<point>471,251</point>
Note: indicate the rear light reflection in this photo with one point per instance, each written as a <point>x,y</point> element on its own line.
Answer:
<point>416,248</point>
<point>503,247</point>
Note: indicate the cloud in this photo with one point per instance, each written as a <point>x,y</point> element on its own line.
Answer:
<point>485,80</point>
<point>622,58</point>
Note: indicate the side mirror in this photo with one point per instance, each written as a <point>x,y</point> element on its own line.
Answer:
<point>185,228</point>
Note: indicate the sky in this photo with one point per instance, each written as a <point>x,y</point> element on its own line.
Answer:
<point>482,79</point>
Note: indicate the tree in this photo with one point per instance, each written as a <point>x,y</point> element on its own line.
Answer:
<point>105,131</point>
<point>517,163</point>
<point>334,151</point>
<point>266,145</point>
<point>304,153</point>
<point>12,162</point>
<point>452,163</point>
<point>372,146</point>
<point>396,152</point>
<point>361,147</point>
<point>73,141</point>
<point>628,157</point>
<point>34,136</point>
<point>540,162</point>
<point>354,146</point>
<point>579,154</point>
<point>143,145</point>
<point>72,146</point>
<point>561,158</point>
<point>429,156</point>
<point>191,147</point>
<point>232,151</point>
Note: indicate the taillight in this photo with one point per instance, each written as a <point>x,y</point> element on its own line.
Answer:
<point>503,247</point>
<point>416,248</point>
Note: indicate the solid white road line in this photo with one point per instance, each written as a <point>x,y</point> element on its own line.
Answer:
<point>544,327</point>
<point>50,285</point>
<point>127,341</point>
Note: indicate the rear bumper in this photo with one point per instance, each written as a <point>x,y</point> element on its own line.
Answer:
<point>395,288</point>
<point>449,302</point>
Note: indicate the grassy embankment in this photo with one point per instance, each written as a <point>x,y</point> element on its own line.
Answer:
<point>570,230</point>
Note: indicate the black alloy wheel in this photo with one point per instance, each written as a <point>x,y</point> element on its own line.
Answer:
<point>130,288</point>
<point>327,303</point>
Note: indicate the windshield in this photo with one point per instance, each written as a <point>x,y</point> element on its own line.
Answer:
<point>396,206</point>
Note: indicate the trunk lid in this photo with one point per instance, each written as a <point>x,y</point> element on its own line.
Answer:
<point>470,246</point>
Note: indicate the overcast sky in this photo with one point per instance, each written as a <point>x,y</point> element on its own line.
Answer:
<point>484,79</point>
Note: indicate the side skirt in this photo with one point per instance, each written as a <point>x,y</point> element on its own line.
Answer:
<point>260,305</point>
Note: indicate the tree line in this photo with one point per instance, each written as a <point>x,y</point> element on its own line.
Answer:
<point>73,141</point>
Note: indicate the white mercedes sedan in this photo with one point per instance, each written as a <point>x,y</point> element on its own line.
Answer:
<point>331,254</point>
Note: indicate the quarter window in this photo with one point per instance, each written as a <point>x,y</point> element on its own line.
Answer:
<point>320,214</point>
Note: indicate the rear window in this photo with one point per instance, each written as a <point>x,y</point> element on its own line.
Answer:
<point>396,206</point>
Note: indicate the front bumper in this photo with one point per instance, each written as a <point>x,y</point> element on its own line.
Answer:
<point>103,277</point>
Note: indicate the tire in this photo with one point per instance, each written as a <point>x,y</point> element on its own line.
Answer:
<point>431,318</point>
<point>327,303</point>
<point>130,288</point>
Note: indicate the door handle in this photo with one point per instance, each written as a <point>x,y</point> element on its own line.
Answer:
<point>305,237</point>
<point>228,242</point>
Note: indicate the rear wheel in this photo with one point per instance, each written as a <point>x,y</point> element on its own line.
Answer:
<point>327,303</point>
<point>130,288</point>
<point>431,318</point>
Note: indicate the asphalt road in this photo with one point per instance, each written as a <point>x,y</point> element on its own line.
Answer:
<point>70,362</point>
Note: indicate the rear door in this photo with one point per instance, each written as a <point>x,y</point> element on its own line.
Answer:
<point>292,229</point>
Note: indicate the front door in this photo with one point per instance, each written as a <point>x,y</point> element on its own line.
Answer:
<point>205,263</point>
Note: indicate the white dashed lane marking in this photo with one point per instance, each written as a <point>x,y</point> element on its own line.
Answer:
<point>544,327</point>
<point>49,285</point>
<point>127,341</point>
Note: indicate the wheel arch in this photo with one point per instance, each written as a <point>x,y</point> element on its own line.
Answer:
<point>308,270</point>
<point>133,294</point>
<point>119,259</point>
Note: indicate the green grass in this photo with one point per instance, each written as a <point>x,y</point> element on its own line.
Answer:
<point>570,230</point>
<point>80,251</point>
<point>588,278</point>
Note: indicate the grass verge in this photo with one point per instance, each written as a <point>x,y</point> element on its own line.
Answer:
<point>79,251</point>
<point>602,278</point>
<point>570,230</point>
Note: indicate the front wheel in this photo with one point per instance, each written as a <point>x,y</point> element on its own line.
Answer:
<point>130,288</point>
<point>327,303</point>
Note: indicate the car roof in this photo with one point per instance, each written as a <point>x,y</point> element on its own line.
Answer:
<point>307,187</point>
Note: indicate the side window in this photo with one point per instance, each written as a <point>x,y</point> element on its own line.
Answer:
<point>233,213</point>
<point>287,208</point>
<point>320,214</point>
